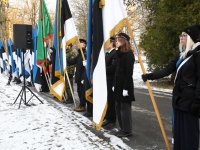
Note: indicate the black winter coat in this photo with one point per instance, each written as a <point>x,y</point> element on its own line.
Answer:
<point>123,76</point>
<point>186,91</point>
<point>111,60</point>
<point>80,69</point>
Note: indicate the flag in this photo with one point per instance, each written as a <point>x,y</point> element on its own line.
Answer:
<point>36,68</point>
<point>108,18</point>
<point>88,83</point>
<point>2,62</point>
<point>19,54</point>
<point>116,14</point>
<point>45,32</point>
<point>64,34</point>
<point>99,70</point>
<point>10,54</point>
<point>58,84</point>
<point>68,30</point>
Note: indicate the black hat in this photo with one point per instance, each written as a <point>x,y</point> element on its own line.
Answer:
<point>123,35</point>
<point>82,41</point>
<point>193,32</point>
<point>112,39</point>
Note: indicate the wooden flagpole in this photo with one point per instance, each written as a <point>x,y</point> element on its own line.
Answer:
<point>81,50</point>
<point>149,87</point>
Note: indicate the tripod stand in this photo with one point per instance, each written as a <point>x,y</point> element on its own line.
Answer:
<point>22,93</point>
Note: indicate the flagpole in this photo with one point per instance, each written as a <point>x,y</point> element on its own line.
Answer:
<point>149,87</point>
<point>45,50</point>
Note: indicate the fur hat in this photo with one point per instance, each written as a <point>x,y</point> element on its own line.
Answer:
<point>123,35</point>
<point>193,32</point>
<point>82,41</point>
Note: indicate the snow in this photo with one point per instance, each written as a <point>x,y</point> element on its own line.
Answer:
<point>49,126</point>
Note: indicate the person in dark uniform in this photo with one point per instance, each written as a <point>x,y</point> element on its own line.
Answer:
<point>70,70</point>
<point>51,61</point>
<point>80,75</point>
<point>111,60</point>
<point>186,91</point>
<point>123,84</point>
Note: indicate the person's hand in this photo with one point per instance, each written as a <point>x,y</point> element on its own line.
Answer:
<point>125,93</point>
<point>148,76</point>
<point>84,63</point>
<point>144,77</point>
<point>82,81</point>
<point>113,88</point>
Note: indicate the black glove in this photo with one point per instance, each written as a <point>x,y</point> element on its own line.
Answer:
<point>144,77</point>
<point>195,107</point>
<point>148,76</point>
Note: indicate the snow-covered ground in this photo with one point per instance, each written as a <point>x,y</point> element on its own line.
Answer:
<point>46,126</point>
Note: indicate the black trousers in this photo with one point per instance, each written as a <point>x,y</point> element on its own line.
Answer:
<point>81,95</point>
<point>186,131</point>
<point>89,107</point>
<point>124,116</point>
<point>111,112</point>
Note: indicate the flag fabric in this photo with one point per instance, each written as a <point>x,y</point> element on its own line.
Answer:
<point>68,30</point>
<point>105,25</point>
<point>64,34</point>
<point>2,61</point>
<point>115,22</point>
<point>19,54</point>
<point>88,83</point>
<point>58,84</point>
<point>9,45</point>
<point>99,70</point>
<point>45,32</point>
<point>27,58</point>
<point>36,69</point>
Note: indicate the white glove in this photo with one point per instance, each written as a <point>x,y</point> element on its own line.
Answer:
<point>113,88</point>
<point>84,63</point>
<point>125,93</point>
<point>82,81</point>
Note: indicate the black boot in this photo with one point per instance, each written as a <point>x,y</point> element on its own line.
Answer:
<point>8,83</point>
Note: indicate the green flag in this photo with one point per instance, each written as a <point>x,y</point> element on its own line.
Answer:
<point>45,32</point>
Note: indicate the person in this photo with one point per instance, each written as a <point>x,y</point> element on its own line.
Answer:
<point>186,91</point>
<point>80,74</point>
<point>51,61</point>
<point>123,84</point>
<point>111,59</point>
<point>70,70</point>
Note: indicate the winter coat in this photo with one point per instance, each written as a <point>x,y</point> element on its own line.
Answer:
<point>111,60</point>
<point>70,68</point>
<point>80,69</point>
<point>186,91</point>
<point>123,76</point>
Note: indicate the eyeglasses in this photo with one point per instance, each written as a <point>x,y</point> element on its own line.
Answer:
<point>183,36</point>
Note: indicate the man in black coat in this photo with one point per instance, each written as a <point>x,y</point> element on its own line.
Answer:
<point>80,75</point>
<point>111,59</point>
